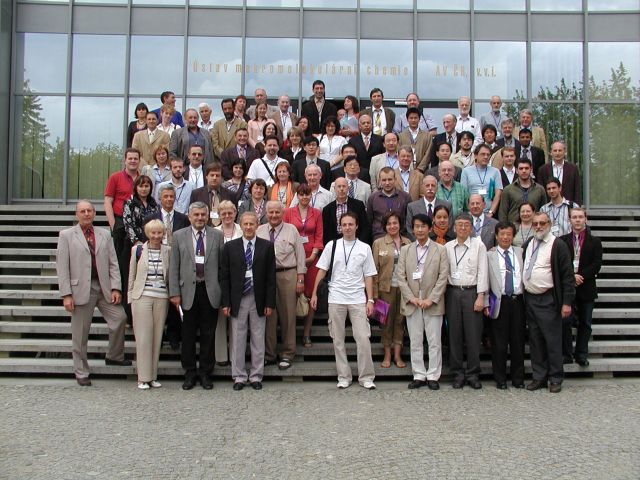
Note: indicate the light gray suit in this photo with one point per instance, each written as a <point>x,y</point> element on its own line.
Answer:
<point>487,232</point>
<point>419,207</point>
<point>179,145</point>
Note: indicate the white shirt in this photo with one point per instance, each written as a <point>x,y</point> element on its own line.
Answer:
<point>258,170</point>
<point>379,128</point>
<point>168,130</point>
<point>468,263</point>
<point>196,176</point>
<point>319,199</point>
<point>472,125</point>
<point>509,173</point>
<point>194,238</point>
<point>207,126</point>
<point>557,170</point>
<point>330,147</point>
<point>541,275</point>
<point>517,274</point>
<point>183,194</point>
<point>427,203</point>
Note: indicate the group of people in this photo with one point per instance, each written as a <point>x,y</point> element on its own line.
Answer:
<point>223,229</point>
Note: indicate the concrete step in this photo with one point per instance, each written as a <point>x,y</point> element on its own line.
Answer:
<point>619,269</point>
<point>632,258</point>
<point>30,294</point>
<point>618,297</point>
<point>17,240</point>
<point>613,223</point>
<point>60,217</point>
<point>31,252</point>
<point>618,283</point>
<point>28,280</point>
<point>32,264</point>
<point>616,234</point>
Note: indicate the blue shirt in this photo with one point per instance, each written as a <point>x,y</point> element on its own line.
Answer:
<point>484,181</point>
<point>176,119</point>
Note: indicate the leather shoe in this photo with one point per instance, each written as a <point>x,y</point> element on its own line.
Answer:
<point>433,385</point>
<point>223,364</point>
<point>567,360</point>
<point>417,384</point>
<point>269,362</point>
<point>501,386</point>
<point>536,385</point>
<point>120,363</point>
<point>238,386</point>
<point>583,362</point>
<point>83,381</point>
<point>256,385</point>
<point>555,387</point>
<point>458,383</point>
<point>474,383</point>
<point>518,385</point>
<point>189,383</point>
<point>205,381</point>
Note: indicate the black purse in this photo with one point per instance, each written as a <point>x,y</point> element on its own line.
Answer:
<point>323,287</point>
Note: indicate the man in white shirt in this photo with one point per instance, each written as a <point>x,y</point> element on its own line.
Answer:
<point>352,272</point>
<point>182,187</point>
<point>358,189</point>
<point>265,168</point>
<point>558,208</point>
<point>467,123</point>
<point>320,197</point>
<point>205,116</point>
<point>194,172</point>
<point>464,301</point>
<point>426,124</point>
<point>283,118</point>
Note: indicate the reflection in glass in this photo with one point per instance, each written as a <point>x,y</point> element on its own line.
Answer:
<point>214,66</point>
<point>500,5</point>
<point>500,69</point>
<point>214,103</point>
<point>152,73</point>
<point>118,2</point>
<point>273,3</point>
<point>151,102</point>
<point>617,5</point>
<point>98,63</point>
<point>609,63</point>
<point>329,4</point>
<point>556,69</point>
<point>94,153</point>
<point>554,5</point>
<point>440,5</point>
<point>39,147</point>
<point>272,63</point>
<point>41,62</point>
<point>614,139</point>
<point>334,61</point>
<point>443,69</point>
<point>392,4</point>
<point>388,65</point>
<point>158,2</point>
<point>216,3</point>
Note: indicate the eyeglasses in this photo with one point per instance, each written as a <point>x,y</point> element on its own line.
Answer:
<point>539,224</point>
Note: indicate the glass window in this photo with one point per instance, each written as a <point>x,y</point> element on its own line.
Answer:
<point>100,1</point>
<point>98,63</point>
<point>273,3</point>
<point>608,5</point>
<point>501,69</point>
<point>443,69</point>
<point>614,139</point>
<point>158,2</point>
<point>41,62</point>
<point>39,147</point>
<point>94,153</point>
<point>214,66</point>
<point>390,4</point>
<point>220,3</point>
<point>499,5</point>
<point>556,70</point>
<point>151,102</point>
<point>553,5</point>
<point>214,103</point>
<point>610,65</point>
<point>330,4</point>
<point>272,63</point>
<point>388,65</point>
<point>334,61</point>
<point>151,72</point>
<point>440,5</point>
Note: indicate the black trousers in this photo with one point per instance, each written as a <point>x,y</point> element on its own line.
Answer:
<point>203,318</point>
<point>507,334</point>
<point>122,246</point>
<point>545,336</point>
<point>465,327</point>
<point>174,325</point>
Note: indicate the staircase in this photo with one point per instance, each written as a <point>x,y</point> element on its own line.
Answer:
<point>35,335</point>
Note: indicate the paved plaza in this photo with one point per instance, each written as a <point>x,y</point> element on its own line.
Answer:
<point>53,429</point>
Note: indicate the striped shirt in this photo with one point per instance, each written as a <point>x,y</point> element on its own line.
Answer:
<point>155,285</point>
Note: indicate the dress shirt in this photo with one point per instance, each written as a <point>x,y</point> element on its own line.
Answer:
<point>429,202</point>
<point>425,124</point>
<point>258,170</point>
<point>194,239</point>
<point>511,142</point>
<point>470,124</point>
<point>167,219</point>
<point>404,177</point>
<point>196,176</point>
<point>557,170</point>
<point>541,278</point>
<point>509,173</point>
<point>478,223</point>
<point>287,245</point>
<point>468,264</point>
<point>169,129</point>
<point>206,125</point>
<point>457,195</point>
<point>183,194</point>
<point>379,121</point>
<point>319,199</point>
<point>421,251</point>
<point>559,216</point>
<point>517,274</point>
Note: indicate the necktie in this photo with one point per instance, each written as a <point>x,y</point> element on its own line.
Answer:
<point>478,224</point>
<point>430,211</point>
<point>451,142</point>
<point>152,135</point>
<point>272,234</point>
<point>352,189</point>
<point>532,260</point>
<point>91,241</point>
<point>508,275</point>
<point>525,153</point>
<point>248,258</point>
<point>168,228</point>
<point>243,152</point>
<point>378,123</point>
<point>366,142</point>
<point>200,253</point>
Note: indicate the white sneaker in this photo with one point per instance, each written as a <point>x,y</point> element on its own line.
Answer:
<point>155,384</point>
<point>143,386</point>
<point>369,385</point>
<point>342,384</point>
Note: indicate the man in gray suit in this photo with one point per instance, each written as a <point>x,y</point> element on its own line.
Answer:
<point>192,134</point>
<point>483,226</point>
<point>494,117</point>
<point>88,276</point>
<point>194,287</point>
<point>427,204</point>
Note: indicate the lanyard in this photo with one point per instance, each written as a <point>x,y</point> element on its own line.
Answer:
<point>406,184</point>
<point>477,229</point>
<point>258,209</point>
<point>558,171</point>
<point>394,164</point>
<point>447,193</point>
<point>197,174</point>
<point>524,239</point>
<point>486,170</point>
<point>275,237</point>
<point>555,217</point>
<point>535,249</point>
<point>313,198</point>
<point>421,257</point>
<point>155,262</point>
<point>344,249</point>
<point>181,188</point>
<point>455,252</point>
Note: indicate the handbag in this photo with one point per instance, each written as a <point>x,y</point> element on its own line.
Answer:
<point>380,312</point>
<point>323,287</point>
<point>302,306</point>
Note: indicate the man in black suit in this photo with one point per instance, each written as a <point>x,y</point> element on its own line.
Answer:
<point>242,149</point>
<point>194,171</point>
<point>586,257</point>
<point>535,154</point>
<point>564,171</point>
<point>212,193</point>
<point>348,151</point>
<point>367,144</point>
<point>248,282</point>
<point>449,136</point>
<point>343,204</point>
<point>507,139</point>
<point>508,171</point>
<point>311,147</point>
<point>317,109</point>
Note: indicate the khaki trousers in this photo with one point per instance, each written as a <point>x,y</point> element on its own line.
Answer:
<point>393,331</point>
<point>149,315</point>
<point>285,315</point>
<point>419,324</point>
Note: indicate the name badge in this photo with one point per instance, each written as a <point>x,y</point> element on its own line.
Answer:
<point>417,275</point>
<point>555,230</point>
<point>248,274</point>
<point>575,266</point>
<point>482,191</point>
<point>305,239</point>
<point>214,215</point>
<point>456,275</point>
<point>200,259</point>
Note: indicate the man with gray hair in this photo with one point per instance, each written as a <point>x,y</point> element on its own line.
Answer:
<point>205,116</point>
<point>183,138</point>
<point>283,118</point>
<point>466,123</point>
<point>494,117</point>
<point>320,196</point>
<point>538,138</point>
<point>449,136</point>
<point>260,96</point>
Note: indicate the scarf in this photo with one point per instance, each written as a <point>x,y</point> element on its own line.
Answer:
<point>440,233</point>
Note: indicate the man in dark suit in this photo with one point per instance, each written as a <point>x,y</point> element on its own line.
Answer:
<point>586,257</point>
<point>212,193</point>
<point>482,226</point>
<point>564,171</point>
<point>535,154</point>
<point>348,150</point>
<point>367,144</point>
<point>191,134</point>
<point>241,149</point>
<point>426,204</point>
<point>383,118</point>
<point>342,204</point>
<point>311,145</point>
<point>449,136</point>
<point>248,279</point>
<point>194,288</point>
<point>317,109</point>
<point>507,139</point>
<point>194,172</point>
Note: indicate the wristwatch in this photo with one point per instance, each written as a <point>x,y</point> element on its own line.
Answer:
<point>371,300</point>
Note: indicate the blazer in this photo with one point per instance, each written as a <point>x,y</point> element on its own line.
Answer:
<point>437,140</point>
<point>383,257</point>
<point>138,270</point>
<point>364,156</point>
<point>310,111</point>
<point>537,158</point>
<point>378,163</point>
<point>538,138</point>
<point>487,232</point>
<point>364,175</point>
<point>182,274</point>
<point>330,222</point>
<point>496,277</point>
<point>487,119</point>
<point>232,274</point>
<point>419,207</point>
<point>571,186</point>
<point>179,145</point>
<point>389,115</point>
<point>423,146</point>
<point>416,190</point>
<point>505,178</point>
<point>179,220</point>
<point>221,139</point>
<point>202,195</point>
<point>287,154</point>
<point>433,283</point>
<point>363,191</point>
<point>277,118</point>
<point>230,155</point>
<point>300,165</point>
<point>247,206</point>
<point>141,142</point>
<point>500,142</point>
<point>433,171</point>
<point>588,266</point>
<point>73,264</point>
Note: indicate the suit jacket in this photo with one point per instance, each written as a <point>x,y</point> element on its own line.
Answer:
<point>437,140</point>
<point>433,171</point>
<point>364,175</point>
<point>571,186</point>
<point>500,142</point>
<point>277,118</point>
<point>487,233</point>
<point>221,139</point>
<point>416,190</point>
<point>389,115</point>
<point>537,158</point>
<point>301,164</point>
<point>433,283</point>
<point>182,274</point>
<point>496,158</point>
<point>179,145</point>
<point>378,163</point>
<point>139,268</point>
<point>202,195</point>
<point>505,178</point>
<point>73,264</point>
<point>362,193</point>
<point>487,119</point>
<point>383,250</point>
<point>588,266</point>
<point>179,221</point>
<point>234,267</point>
<point>330,222</point>
<point>141,142</point>
<point>496,277</point>
<point>310,111</point>
<point>364,156</point>
<point>229,155</point>
<point>423,146</point>
<point>538,138</point>
<point>419,207</point>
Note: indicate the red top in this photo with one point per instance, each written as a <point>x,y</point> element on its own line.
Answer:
<point>310,228</point>
<point>120,188</point>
